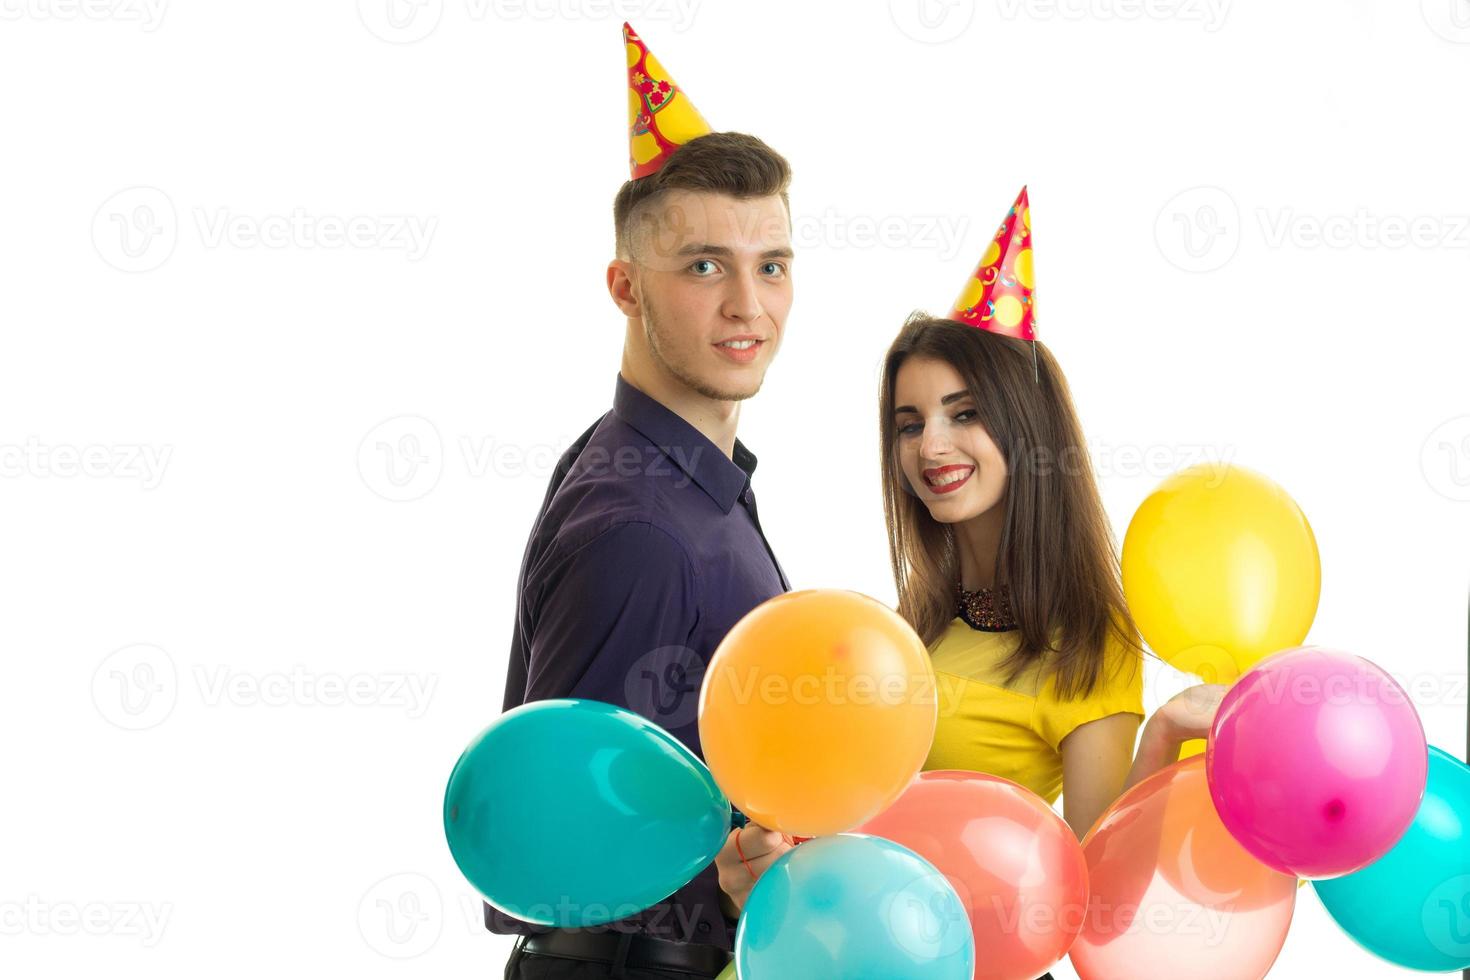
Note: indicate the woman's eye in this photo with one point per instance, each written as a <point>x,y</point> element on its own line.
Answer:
<point>904,430</point>
<point>702,267</point>
<point>968,411</point>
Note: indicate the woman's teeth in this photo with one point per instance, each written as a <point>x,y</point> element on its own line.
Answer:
<point>948,478</point>
<point>740,344</point>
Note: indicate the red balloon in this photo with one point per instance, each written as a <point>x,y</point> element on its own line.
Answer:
<point>1016,865</point>
<point>1172,892</point>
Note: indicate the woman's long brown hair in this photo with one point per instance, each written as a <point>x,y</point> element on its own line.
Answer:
<point>1057,553</point>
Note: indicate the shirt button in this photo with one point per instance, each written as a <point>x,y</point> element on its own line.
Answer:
<point>704,927</point>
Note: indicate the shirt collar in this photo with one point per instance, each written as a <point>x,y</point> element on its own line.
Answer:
<point>723,478</point>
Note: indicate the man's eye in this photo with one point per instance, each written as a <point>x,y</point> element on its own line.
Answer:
<point>702,267</point>
<point>774,269</point>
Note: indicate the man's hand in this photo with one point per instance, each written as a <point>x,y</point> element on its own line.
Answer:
<point>761,847</point>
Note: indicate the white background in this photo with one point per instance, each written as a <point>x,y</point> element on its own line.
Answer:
<point>265,492</point>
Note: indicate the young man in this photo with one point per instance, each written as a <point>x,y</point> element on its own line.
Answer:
<point>648,547</point>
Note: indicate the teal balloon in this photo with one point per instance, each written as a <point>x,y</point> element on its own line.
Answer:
<point>1412,906</point>
<point>855,907</point>
<point>572,813</point>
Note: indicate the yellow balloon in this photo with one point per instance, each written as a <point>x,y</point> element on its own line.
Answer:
<point>817,710</point>
<point>1191,746</point>
<point>1220,569</point>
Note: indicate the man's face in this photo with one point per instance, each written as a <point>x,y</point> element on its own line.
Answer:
<point>710,278</point>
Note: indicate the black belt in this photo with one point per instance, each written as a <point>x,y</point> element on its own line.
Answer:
<point>637,952</point>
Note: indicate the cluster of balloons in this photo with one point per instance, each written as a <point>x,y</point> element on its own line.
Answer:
<point>1316,766</point>
<point>816,714</point>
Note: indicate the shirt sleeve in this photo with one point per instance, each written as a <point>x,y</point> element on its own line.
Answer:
<point>1119,690</point>
<point>625,595</point>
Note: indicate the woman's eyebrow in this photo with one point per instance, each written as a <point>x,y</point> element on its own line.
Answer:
<point>953,396</point>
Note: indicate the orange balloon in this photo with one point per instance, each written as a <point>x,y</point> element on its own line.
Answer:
<point>816,711</point>
<point>1172,893</point>
<point>1016,865</point>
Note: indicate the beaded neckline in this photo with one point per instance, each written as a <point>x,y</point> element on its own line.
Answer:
<point>988,610</point>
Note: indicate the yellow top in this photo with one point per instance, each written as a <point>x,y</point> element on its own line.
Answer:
<point>1016,730</point>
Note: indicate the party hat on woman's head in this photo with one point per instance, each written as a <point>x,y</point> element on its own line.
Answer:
<point>660,116</point>
<point>999,296</point>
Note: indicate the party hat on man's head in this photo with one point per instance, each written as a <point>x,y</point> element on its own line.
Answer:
<point>660,116</point>
<point>1000,295</point>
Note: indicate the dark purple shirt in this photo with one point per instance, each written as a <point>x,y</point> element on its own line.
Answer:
<point>647,550</point>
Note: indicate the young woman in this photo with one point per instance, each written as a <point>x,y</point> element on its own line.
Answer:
<point>1003,557</point>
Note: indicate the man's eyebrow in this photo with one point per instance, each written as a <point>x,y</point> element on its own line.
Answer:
<point>702,248</point>
<point>953,396</point>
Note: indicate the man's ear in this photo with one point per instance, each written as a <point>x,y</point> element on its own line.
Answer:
<point>620,274</point>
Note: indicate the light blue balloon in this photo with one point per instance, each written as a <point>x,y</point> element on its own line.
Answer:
<point>853,907</point>
<point>1412,906</point>
<point>573,812</point>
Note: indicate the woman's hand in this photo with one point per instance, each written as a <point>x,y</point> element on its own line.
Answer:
<point>761,847</point>
<point>1190,713</point>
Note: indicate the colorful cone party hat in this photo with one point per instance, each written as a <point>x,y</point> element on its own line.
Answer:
<point>1000,295</point>
<point>660,116</point>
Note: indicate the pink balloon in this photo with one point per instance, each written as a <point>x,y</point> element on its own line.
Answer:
<point>1316,762</point>
<point>1173,894</point>
<point>1016,865</point>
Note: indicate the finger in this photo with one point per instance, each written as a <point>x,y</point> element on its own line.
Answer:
<point>758,841</point>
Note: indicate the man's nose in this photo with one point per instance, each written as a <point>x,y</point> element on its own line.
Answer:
<point>742,302</point>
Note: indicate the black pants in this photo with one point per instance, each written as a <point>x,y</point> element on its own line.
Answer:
<point>532,966</point>
<point>535,966</point>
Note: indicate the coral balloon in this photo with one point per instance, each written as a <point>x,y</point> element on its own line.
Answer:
<point>1317,762</point>
<point>1172,894</point>
<point>1412,906</point>
<point>816,711</point>
<point>1015,864</point>
<point>853,906</point>
<point>1220,569</point>
<point>572,813</point>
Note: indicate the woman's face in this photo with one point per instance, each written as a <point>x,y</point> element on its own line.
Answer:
<point>951,463</point>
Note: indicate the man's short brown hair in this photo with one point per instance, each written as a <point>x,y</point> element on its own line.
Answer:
<point>734,164</point>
